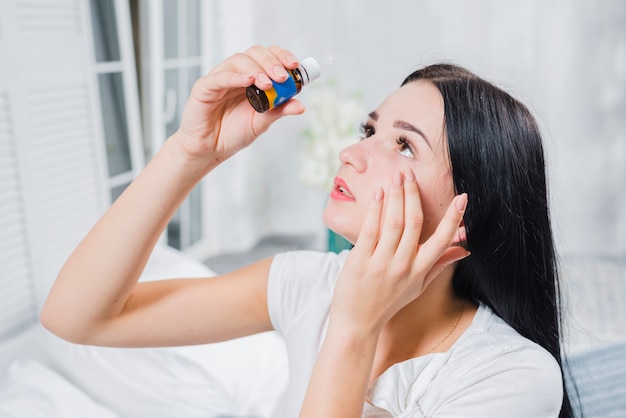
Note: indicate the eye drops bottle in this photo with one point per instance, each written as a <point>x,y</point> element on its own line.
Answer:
<point>262,101</point>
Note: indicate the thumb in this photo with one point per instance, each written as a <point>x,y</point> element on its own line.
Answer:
<point>449,256</point>
<point>289,108</point>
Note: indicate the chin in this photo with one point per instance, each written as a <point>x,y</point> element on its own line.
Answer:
<point>339,225</point>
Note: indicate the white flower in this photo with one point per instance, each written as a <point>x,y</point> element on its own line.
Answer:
<point>332,127</point>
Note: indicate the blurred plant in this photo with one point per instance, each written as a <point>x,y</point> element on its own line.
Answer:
<point>333,122</point>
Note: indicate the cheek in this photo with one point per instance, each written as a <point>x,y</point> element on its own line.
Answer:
<point>436,196</point>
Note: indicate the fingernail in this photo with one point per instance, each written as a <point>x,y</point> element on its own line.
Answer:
<point>378,194</point>
<point>461,202</point>
<point>292,59</point>
<point>397,179</point>
<point>464,256</point>
<point>409,175</point>
<point>280,72</point>
<point>263,79</point>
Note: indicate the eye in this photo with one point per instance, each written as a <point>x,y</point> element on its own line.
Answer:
<point>366,130</point>
<point>404,147</point>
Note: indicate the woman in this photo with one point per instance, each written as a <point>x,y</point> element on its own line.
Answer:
<point>406,324</point>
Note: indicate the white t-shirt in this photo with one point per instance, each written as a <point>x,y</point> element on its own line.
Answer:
<point>491,370</point>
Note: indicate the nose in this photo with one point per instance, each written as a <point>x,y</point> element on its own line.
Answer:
<point>355,155</point>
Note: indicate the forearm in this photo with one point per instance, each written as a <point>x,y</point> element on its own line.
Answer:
<point>341,376</point>
<point>97,279</point>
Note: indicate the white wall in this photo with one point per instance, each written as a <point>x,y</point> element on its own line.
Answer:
<point>565,59</point>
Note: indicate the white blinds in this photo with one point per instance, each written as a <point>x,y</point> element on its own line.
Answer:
<point>17,300</point>
<point>51,164</point>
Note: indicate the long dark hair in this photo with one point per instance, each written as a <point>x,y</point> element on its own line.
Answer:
<point>497,158</point>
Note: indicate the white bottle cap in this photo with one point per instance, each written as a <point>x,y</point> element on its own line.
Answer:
<point>311,70</point>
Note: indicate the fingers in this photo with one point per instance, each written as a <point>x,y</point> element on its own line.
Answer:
<point>396,225</point>
<point>268,66</point>
<point>367,240</point>
<point>401,229</point>
<point>393,217</point>
<point>388,256</point>
<point>391,232</point>
<point>413,218</point>
<point>461,236</point>
<point>441,240</point>
<point>216,85</point>
<point>287,59</point>
<point>449,256</point>
<point>264,64</point>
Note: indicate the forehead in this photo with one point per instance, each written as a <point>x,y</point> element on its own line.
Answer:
<point>419,103</point>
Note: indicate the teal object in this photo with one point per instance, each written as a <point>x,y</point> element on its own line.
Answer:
<point>337,243</point>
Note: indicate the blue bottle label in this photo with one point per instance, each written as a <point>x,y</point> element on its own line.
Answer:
<point>284,91</point>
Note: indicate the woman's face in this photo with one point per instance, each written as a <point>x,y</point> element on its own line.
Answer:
<point>406,132</point>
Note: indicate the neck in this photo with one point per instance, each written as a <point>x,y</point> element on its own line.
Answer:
<point>431,323</point>
<point>431,311</point>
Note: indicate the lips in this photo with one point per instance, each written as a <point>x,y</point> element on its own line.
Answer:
<point>344,191</point>
<point>341,190</point>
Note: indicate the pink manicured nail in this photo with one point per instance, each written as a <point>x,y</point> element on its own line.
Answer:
<point>409,175</point>
<point>263,79</point>
<point>461,202</point>
<point>279,72</point>
<point>378,194</point>
<point>467,254</point>
<point>397,179</point>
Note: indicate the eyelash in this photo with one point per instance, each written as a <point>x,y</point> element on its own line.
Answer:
<point>404,144</point>
<point>366,130</point>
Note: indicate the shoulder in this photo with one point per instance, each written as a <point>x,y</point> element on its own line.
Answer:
<point>490,371</point>
<point>493,346</point>
<point>303,264</point>
<point>493,358</point>
<point>299,280</point>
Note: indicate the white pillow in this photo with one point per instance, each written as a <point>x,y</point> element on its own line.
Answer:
<point>30,389</point>
<point>166,262</point>
<point>242,377</point>
<point>141,382</point>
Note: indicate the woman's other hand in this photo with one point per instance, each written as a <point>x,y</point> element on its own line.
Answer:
<point>388,267</point>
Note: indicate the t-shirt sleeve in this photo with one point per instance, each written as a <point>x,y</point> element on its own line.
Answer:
<point>298,282</point>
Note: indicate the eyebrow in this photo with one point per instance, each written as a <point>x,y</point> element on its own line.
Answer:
<point>405,126</point>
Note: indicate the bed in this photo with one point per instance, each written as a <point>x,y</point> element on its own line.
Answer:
<point>44,376</point>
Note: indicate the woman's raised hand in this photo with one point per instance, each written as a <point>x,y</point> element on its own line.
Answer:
<point>217,120</point>
<point>388,267</point>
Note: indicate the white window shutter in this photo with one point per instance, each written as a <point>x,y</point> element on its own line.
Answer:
<point>16,275</point>
<point>52,171</point>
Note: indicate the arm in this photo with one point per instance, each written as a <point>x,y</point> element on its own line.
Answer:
<point>386,270</point>
<point>96,298</point>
